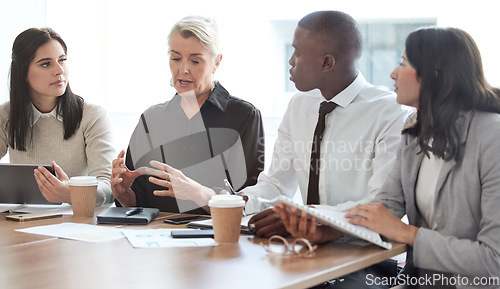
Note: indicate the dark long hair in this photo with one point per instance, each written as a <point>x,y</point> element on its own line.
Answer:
<point>69,105</point>
<point>450,69</point>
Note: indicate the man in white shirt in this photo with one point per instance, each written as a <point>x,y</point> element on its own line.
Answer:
<point>361,134</point>
<point>355,151</point>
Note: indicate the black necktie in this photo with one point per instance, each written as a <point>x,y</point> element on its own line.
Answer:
<point>313,186</point>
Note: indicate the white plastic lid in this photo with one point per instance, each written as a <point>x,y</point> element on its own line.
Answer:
<point>83,181</point>
<point>226,201</point>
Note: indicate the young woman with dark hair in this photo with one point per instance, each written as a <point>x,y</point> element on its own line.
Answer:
<point>44,122</point>
<point>448,65</point>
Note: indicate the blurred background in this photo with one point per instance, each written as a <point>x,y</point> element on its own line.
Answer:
<point>117,49</point>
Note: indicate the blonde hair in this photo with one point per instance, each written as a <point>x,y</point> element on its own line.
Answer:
<point>203,28</point>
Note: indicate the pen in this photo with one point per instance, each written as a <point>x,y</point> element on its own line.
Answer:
<point>232,192</point>
<point>251,228</point>
<point>229,187</point>
<point>133,211</point>
<point>19,207</point>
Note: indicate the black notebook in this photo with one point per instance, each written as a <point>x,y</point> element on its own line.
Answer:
<point>116,215</point>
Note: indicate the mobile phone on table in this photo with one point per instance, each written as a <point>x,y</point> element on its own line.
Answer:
<point>192,234</point>
<point>184,219</point>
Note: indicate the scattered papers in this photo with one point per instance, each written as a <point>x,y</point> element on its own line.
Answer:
<point>161,238</point>
<point>74,231</point>
<point>138,238</point>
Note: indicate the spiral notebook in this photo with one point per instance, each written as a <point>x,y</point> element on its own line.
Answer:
<point>335,220</point>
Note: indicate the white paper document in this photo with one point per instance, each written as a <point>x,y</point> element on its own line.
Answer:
<point>74,231</point>
<point>161,238</point>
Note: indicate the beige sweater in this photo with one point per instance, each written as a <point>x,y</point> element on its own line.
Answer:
<point>88,152</point>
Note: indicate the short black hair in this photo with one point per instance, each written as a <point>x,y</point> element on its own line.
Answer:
<point>338,27</point>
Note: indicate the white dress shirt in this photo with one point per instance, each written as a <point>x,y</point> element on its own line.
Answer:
<point>357,151</point>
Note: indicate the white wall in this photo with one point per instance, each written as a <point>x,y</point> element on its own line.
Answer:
<point>14,18</point>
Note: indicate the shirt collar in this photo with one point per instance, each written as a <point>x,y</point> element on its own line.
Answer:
<point>37,114</point>
<point>219,97</point>
<point>346,96</point>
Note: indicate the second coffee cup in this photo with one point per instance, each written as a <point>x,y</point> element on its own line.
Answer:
<point>226,211</point>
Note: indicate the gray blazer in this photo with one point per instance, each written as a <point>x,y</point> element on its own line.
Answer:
<point>467,202</point>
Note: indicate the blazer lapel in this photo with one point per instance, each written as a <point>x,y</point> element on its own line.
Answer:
<point>463,123</point>
<point>411,160</point>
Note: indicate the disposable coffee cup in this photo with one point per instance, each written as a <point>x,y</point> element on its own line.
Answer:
<point>83,193</point>
<point>226,211</point>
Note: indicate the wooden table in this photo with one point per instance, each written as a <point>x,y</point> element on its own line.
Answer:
<point>35,261</point>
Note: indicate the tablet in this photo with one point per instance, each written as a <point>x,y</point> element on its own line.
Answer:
<point>18,184</point>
